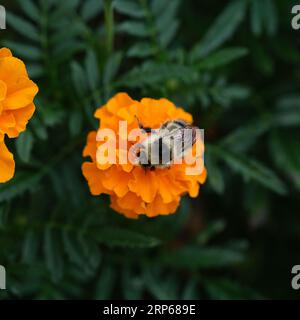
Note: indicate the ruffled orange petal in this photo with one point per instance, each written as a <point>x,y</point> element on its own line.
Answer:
<point>120,100</point>
<point>5,52</point>
<point>91,147</point>
<point>168,188</point>
<point>20,94</point>
<point>7,122</point>
<point>117,181</point>
<point>3,90</point>
<point>144,184</point>
<point>158,207</point>
<point>7,164</point>
<point>12,70</point>
<point>21,117</point>
<point>94,176</point>
<point>129,213</point>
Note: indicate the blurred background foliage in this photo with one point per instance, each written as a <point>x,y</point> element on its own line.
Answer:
<point>235,66</point>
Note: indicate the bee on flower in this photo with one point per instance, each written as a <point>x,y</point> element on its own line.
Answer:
<point>150,182</point>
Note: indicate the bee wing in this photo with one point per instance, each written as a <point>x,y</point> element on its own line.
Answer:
<point>180,141</point>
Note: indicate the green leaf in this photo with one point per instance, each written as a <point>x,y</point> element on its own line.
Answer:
<point>228,289</point>
<point>30,247</point>
<point>75,124</point>
<point>221,58</point>
<point>210,231</point>
<point>91,251</point>
<point>288,111</point>
<point>257,9</point>
<point>91,8</point>
<point>215,175</point>
<point>285,148</point>
<point>4,212</point>
<point>288,119</point>
<point>65,49</point>
<point>256,203</point>
<point>161,289</point>
<point>190,291</point>
<point>39,128</point>
<point>166,16</point>
<point>30,9</point>
<point>166,37</point>
<point>115,237</point>
<point>25,51</point>
<point>73,249</point>
<point>141,50</point>
<point>159,6</point>
<point>35,70</point>
<point>105,284</point>
<point>51,115</point>
<point>22,26</point>
<point>157,73</point>
<point>132,285</point>
<point>252,169</point>
<point>79,78</point>
<point>24,146</point>
<point>68,5</point>
<point>245,136</point>
<point>53,253</point>
<point>263,15</point>
<point>67,34</point>
<point>194,258</point>
<point>222,29</point>
<point>271,17</point>
<point>111,68</point>
<point>235,92</point>
<point>264,60</point>
<point>92,70</point>
<point>23,181</point>
<point>288,102</point>
<point>130,8</point>
<point>166,23</point>
<point>133,28</point>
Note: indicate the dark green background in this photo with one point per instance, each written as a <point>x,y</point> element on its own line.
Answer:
<point>235,66</point>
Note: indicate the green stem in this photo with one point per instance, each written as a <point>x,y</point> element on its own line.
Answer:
<point>151,25</point>
<point>109,25</point>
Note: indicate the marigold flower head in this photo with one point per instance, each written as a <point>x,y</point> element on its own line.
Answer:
<point>17,92</point>
<point>135,190</point>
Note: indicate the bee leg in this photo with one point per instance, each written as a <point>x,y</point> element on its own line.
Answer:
<point>152,168</point>
<point>145,129</point>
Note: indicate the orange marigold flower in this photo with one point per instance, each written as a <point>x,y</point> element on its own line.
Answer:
<point>135,190</point>
<point>17,92</point>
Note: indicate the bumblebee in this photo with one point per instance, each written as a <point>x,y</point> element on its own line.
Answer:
<point>164,145</point>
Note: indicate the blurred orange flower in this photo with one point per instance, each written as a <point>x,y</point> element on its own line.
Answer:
<point>17,92</point>
<point>133,190</point>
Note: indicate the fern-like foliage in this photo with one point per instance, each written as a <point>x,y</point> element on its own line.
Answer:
<point>224,63</point>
